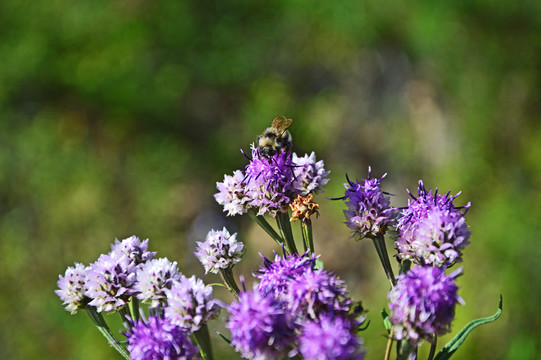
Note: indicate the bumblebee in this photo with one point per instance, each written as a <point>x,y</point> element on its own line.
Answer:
<point>276,137</point>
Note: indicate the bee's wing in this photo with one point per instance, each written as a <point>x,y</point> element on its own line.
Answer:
<point>281,123</point>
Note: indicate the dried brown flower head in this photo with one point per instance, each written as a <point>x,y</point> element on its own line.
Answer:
<point>303,208</point>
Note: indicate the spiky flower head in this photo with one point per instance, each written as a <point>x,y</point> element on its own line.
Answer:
<point>219,251</point>
<point>231,194</point>
<point>190,303</point>
<point>71,288</point>
<point>275,276</point>
<point>269,182</point>
<point>369,212</point>
<point>153,278</point>
<point>260,328</point>
<point>109,281</point>
<point>157,338</point>
<point>423,303</point>
<point>330,337</point>
<point>132,247</point>
<point>310,176</point>
<point>314,292</point>
<point>432,230</point>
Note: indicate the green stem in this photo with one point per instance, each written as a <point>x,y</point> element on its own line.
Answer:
<point>125,315</point>
<point>304,243</point>
<point>379,243</point>
<point>406,350</point>
<point>134,308</point>
<point>284,225</point>
<point>307,236</point>
<point>229,281</point>
<point>202,339</point>
<point>389,345</point>
<point>433,348</point>
<point>260,220</point>
<point>100,323</point>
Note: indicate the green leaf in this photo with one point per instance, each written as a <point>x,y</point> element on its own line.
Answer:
<point>455,343</point>
<point>319,264</point>
<point>223,337</point>
<point>363,328</point>
<point>386,321</point>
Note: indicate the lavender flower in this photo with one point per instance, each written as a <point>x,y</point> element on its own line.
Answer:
<point>72,288</point>
<point>135,249</point>
<point>369,211</point>
<point>269,182</point>
<point>309,175</point>
<point>153,278</point>
<point>110,280</point>
<point>157,338</point>
<point>275,275</point>
<point>260,329</point>
<point>432,230</point>
<point>314,292</point>
<point>330,337</point>
<point>232,194</point>
<point>190,303</point>
<point>423,304</point>
<point>219,251</point>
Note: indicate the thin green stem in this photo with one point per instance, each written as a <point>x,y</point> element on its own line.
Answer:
<point>307,236</point>
<point>379,243</point>
<point>389,345</point>
<point>229,281</point>
<point>202,339</point>
<point>260,220</point>
<point>433,347</point>
<point>406,350</point>
<point>100,323</point>
<point>134,308</point>
<point>284,225</point>
<point>125,315</point>
<point>304,242</point>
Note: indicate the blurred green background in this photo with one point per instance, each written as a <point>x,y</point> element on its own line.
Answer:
<point>119,117</point>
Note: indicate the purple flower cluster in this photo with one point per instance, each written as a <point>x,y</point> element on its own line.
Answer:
<point>219,251</point>
<point>157,338</point>
<point>190,303</point>
<point>129,270</point>
<point>317,292</point>
<point>178,305</point>
<point>275,276</point>
<point>71,288</point>
<point>260,328</point>
<point>109,281</point>
<point>302,298</point>
<point>153,278</point>
<point>423,303</point>
<point>134,249</point>
<point>270,184</point>
<point>369,212</point>
<point>330,338</point>
<point>432,230</point>
<point>231,194</point>
<point>310,176</point>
